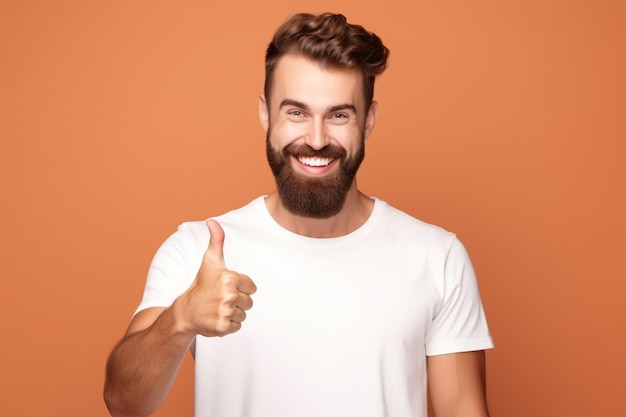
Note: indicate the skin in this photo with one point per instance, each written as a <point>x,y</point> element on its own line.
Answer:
<point>312,105</point>
<point>456,384</point>
<point>318,106</point>
<point>142,367</point>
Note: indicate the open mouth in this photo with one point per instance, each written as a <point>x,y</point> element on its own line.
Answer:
<point>315,161</point>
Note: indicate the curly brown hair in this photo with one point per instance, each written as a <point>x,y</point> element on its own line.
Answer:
<point>332,42</point>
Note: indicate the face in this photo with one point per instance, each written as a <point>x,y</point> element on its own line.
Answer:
<point>316,125</point>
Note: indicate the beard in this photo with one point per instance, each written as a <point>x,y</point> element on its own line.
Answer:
<point>313,197</point>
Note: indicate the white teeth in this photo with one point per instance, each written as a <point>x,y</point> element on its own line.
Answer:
<point>315,162</point>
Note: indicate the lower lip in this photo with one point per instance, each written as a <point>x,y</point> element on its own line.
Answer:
<point>312,170</point>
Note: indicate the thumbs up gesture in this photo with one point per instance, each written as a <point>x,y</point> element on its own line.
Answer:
<point>217,301</point>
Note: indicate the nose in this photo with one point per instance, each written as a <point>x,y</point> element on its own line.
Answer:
<point>317,137</point>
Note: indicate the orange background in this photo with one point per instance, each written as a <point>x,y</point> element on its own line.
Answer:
<point>504,121</point>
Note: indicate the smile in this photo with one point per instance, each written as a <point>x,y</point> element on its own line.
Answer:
<point>315,161</point>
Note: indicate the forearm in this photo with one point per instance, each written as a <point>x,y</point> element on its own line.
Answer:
<point>142,367</point>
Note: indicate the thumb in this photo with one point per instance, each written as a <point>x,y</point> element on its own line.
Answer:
<point>215,252</point>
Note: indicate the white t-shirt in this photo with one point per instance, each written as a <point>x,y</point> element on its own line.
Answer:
<point>339,327</point>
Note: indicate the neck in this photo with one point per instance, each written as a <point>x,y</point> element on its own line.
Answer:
<point>355,212</point>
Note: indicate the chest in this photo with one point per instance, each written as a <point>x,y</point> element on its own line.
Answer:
<point>375,294</point>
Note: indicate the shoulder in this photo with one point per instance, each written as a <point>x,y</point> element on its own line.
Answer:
<point>402,224</point>
<point>194,234</point>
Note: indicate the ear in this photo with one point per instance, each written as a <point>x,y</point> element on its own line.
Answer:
<point>370,119</point>
<point>264,113</point>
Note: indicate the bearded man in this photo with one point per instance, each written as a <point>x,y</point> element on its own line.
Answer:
<point>359,309</point>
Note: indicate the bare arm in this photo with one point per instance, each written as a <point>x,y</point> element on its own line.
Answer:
<point>142,367</point>
<point>456,383</point>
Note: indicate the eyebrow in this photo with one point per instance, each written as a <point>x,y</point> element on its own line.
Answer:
<point>303,106</point>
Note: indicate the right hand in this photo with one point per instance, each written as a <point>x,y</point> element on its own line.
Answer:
<point>216,303</point>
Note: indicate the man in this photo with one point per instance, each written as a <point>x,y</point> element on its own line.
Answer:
<point>360,308</point>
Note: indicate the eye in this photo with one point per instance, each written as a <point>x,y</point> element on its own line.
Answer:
<point>339,118</point>
<point>295,115</point>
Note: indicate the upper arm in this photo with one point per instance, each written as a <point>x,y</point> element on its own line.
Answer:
<point>456,384</point>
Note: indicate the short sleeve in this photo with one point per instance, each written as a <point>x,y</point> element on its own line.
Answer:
<point>460,324</point>
<point>174,266</point>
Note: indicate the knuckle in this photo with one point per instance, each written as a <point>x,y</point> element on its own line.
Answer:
<point>229,277</point>
<point>223,327</point>
<point>229,299</point>
<point>226,310</point>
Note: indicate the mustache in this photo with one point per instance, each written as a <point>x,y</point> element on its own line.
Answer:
<point>328,151</point>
